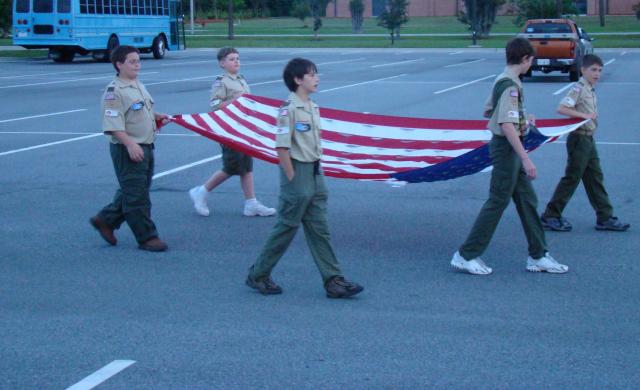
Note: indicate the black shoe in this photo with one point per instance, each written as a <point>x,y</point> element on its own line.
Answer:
<point>612,224</point>
<point>266,286</point>
<point>337,287</point>
<point>556,224</point>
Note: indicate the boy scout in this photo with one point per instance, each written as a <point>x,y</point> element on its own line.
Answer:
<point>303,194</point>
<point>130,121</point>
<point>225,89</point>
<point>583,162</point>
<point>511,174</point>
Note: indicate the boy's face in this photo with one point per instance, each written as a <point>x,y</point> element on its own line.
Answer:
<point>309,83</point>
<point>526,63</point>
<point>130,68</point>
<point>231,63</point>
<point>592,73</point>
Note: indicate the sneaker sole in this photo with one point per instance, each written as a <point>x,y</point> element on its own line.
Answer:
<point>604,228</point>
<point>467,271</point>
<point>538,269</point>
<point>347,295</point>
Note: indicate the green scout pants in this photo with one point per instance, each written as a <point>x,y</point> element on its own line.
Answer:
<point>583,164</point>
<point>131,202</point>
<point>508,181</point>
<point>234,162</point>
<point>303,199</point>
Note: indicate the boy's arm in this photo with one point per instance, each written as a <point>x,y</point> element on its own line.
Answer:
<point>509,131</point>
<point>573,113</point>
<point>285,162</point>
<point>136,153</point>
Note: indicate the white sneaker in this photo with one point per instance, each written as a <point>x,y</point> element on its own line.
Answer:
<point>252,209</point>
<point>199,197</point>
<point>546,264</point>
<point>474,266</point>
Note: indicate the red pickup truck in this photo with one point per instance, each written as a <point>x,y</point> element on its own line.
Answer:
<point>560,45</point>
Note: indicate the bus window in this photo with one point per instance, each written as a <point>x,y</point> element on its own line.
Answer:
<point>134,7</point>
<point>99,9</point>
<point>107,7</point>
<point>83,6</point>
<point>22,5</point>
<point>121,7</point>
<point>92,6</point>
<point>127,7</point>
<point>114,7</point>
<point>43,6</point>
<point>64,6</point>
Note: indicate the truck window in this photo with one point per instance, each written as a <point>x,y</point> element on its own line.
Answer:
<point>548,28</point>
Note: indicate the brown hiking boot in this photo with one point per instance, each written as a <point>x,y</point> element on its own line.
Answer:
<point>337,287</point>
<point>153,245</point>
<point>106,231</point>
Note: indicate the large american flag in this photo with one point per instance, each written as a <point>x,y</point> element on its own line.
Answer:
<point>367,146</point>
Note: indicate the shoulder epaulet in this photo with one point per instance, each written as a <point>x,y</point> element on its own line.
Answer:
<point>111,88</point>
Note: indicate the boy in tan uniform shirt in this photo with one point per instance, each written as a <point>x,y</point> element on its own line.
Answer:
<point>130,121</point>
<point>583,162</point>
<point>227,88</point>
<point>303,193</point>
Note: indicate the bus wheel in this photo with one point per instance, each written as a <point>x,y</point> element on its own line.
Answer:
<point>64,55</point>
<point>158,47</point>
<point>111,46</point>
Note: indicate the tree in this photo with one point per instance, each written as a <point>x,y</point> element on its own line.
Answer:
<point>356,7</point>
<point>301,11</point>
<point>601,9</point>
<point>541,9</point>
<point>5,17</point>
<point>318,9</point>
<point>393,17</point>
<point>480,15</point>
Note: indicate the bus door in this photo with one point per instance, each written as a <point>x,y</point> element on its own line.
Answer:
<point>43,18</point>
<point>176,26</point>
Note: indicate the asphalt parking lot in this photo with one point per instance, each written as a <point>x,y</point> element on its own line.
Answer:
<point>70,304</point>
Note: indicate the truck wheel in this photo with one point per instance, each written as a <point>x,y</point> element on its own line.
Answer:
<point>158,47</point>
<point>111,46</point>
<point>574,74</point>
<point>64,55</point>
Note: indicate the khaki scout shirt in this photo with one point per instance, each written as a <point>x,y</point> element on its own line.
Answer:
<point>227,88</point>
<point>299,129</point>
<point>582,97</point>
<point>507,109</point>
<point>128,107</point>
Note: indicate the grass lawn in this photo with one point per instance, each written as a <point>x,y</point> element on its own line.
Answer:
<point>418,25</point>
<point>24,53</point>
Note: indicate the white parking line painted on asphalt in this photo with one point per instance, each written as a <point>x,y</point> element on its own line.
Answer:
<point>101,375</point>
<point>610,61</point>
<point>181,80</point>
<point>563,89</point>
<point>213,60</point>
<point>455,52</point>
<point>42,115</point>
<point>50,144</point>
<point>265,82</point>
<point>365,82</point>
<point>464,63</point>
<point>38,74</point>
<point>83,133</point>
<point>340,62</point>
<point>397,63</point>
<point>463,85</point>
<point>67,81</point>
<point>184,167</point>
<point>623,53</point>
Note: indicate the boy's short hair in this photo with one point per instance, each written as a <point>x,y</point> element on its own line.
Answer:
<point>591,59</point>
<point>297,68</point>
<point>225,51</point>
<point>517,49</point>
<point>120,53</point>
